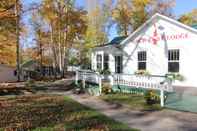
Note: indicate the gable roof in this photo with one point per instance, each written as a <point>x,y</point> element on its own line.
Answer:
<point>194,26</point>
<point>115,41</point>
<point>29,63</point>
<point>155,17</point>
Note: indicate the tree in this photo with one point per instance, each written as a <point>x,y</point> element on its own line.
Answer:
<point>17,10</point>
<point>122,14</point>
<point>164,7</point>
<point>139,12</point>
<point>98,24</point>
<point>66,24</point>
<point>189,18</point>
<point>7,32</point>
<point>130,14</point>
<point>41,38</point>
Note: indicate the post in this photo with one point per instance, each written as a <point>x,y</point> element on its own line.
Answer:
<point>161,97</point>
<point>83,81</point>
<point>76,78</point>
<point>100,84</point>
<point>111,80</point>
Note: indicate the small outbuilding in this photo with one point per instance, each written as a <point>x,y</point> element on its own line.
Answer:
<point>7,73</point>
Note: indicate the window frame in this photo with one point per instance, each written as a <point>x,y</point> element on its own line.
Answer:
<point>118,64</point>
<point>99,62</point>
<point>106,62</point>
<point>142,59</point>
<point>173,59</point>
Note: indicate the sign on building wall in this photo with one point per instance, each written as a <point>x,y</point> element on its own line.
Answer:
<point>155,37</point>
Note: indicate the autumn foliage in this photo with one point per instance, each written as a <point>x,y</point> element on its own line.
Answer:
<point>7,33</point>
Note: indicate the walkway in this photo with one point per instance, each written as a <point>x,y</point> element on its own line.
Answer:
<point>165,120</point>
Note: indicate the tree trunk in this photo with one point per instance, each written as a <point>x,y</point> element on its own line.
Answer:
<point>60,40</point>
<point>40,52</point>
<point>54,51</point>
<point>125,30</point>
<point>17,39</point>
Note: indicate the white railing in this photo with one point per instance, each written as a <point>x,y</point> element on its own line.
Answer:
<point>89,76</point>
<point>160,83</point>
<point>142,81</point>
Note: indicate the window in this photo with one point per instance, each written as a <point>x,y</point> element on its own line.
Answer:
<point>173,60</point>
<point>99,62</point>
<point>118,64</point>
<point>106,62</point>
<point>142,60</point>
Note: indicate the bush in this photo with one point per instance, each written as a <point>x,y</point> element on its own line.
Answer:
<point>151,97</point>
<point>175,76</point>
<point>142,72</point>
<point>30,83</point>
<point>73,61</point>
<point>106,89</point>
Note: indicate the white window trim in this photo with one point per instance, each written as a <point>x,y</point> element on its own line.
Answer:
<point>174,60</point>
<point>121,66</point>
<point>138,61</point>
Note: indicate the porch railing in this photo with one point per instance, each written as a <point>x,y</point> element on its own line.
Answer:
<point>160,83</point>
<point>142,81</point>
<point>89,76</point>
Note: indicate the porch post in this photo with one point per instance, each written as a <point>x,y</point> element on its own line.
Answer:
<point>100,84</point>
<point>161,97</point>
<point>111,80</point>
<point>102,67</point>
<point>76,78</point>
<point>84,83</point>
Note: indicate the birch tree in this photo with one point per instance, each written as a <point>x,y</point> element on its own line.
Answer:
<point>66,24</point>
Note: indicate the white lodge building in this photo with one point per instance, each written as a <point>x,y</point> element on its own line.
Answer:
<point>160,46</point>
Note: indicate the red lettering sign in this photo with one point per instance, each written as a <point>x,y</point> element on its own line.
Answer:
<point>157,38</point>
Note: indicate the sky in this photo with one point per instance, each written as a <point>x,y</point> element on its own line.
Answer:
<point>182,7</point>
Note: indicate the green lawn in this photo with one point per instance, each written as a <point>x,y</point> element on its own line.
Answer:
<point>52,113</point>
<point>133,101</point>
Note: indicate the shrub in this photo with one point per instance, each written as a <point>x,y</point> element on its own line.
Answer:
<point>106,89</point>
<point>151,97</point>
<point>175,76</point>
<point>35,75</point>
<point>30,83</point>
<point>142,72</point>
<point>105,72</point>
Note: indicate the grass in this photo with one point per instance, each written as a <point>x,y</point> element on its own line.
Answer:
<point>133,101</point>
<point>52,113</point>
